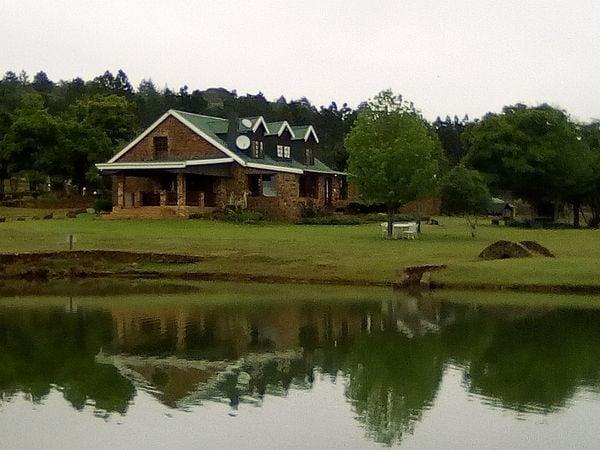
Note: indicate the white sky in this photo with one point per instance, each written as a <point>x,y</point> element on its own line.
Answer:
<point>449,57</point>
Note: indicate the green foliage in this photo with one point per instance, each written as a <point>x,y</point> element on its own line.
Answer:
<point>536,152</point>
<point>103,204</point>
<point>394,156</point>
<point>464,191</point>
<point>240,216</point>
<point>449,132</point>
<point>331,219</point>
<point>31,144</point>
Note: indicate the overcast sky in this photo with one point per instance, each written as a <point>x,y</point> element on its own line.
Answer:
<point>449,57</point>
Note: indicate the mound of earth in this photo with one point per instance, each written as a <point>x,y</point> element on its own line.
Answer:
<point>505,250</point>
<point>537,248</point>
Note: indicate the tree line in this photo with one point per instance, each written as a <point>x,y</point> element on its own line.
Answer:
<point>539,154</point>
<point>57,131</point>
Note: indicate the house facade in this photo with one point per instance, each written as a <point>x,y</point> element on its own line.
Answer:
<point>188,163</point>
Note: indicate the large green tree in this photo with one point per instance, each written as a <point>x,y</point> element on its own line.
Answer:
<point>394,157</point>
<point>535,152</point>
<point>31,144</point>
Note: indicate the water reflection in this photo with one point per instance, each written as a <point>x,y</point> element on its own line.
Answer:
<point>391,355</point>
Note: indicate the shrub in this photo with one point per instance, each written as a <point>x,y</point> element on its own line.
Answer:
<point>103,204</point>
<point>330,219</point>
<point>240,216</point>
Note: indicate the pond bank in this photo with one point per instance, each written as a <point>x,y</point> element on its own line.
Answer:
<point>130,265</point>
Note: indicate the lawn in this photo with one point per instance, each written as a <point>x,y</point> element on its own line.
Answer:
<point>321,252</point>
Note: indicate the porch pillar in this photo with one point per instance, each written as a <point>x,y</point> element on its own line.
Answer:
<point>181,200</point>
<point>137,199</point>
<point>163,197</point>
<point>121,191</point>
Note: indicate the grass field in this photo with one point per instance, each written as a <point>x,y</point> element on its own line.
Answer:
<point>323,252</point>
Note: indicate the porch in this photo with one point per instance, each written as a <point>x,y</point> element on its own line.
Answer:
<point>163,194</point>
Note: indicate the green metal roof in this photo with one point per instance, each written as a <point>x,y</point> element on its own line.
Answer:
<point>273,127</point>
<point>216,128</point>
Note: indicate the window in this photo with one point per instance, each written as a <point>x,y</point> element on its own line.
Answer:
<point>254,185</point>
<point>161,147</point>
<point>269,188</point>
<point>308,185</point>
<point>309,157</point>
<point>343,188</point>
<point>258,149</point>
<point>284,151</point>
<point>262,185</point>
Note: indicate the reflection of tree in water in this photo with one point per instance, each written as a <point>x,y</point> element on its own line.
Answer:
<point>530,360</point>
<point>43,348</point>
<point>393,355</point>
<point>394,376</point>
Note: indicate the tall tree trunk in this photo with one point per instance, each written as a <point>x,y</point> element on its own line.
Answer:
<point>576,213</point>
<point>390,221</point>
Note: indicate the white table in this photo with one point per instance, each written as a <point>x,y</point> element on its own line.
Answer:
<point>400,230</point>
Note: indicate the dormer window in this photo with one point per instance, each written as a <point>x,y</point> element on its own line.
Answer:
<point>161,147</point>
<point>284,151</point>
<point>309,156</point>
<point>258,149</point>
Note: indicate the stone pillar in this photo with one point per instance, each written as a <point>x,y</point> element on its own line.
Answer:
<point>181,189</point>
<point>137,199</point>
<point>201,199</point>
<point>121,191</point>
<point>163,197</point>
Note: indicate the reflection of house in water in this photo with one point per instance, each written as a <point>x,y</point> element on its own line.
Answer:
<point>186,355</point>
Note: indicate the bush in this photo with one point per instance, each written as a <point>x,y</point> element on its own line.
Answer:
<point>532,223</point>
<point>240,216</point>
<point>331,219</point>
<point>103,204</point>
<point>309,210</point>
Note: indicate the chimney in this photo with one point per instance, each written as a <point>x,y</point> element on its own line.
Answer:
<point>232,129</point>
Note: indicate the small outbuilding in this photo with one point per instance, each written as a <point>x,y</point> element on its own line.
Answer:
<point>501,208</point>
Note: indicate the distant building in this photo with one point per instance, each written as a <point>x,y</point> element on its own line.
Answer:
<point>501,208</point>
<point>189,163</point>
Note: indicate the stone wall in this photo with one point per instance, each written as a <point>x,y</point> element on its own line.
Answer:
<point>182,143</point>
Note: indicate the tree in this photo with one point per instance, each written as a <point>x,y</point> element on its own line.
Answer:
<point>31,144</point>
<point>42,83</point>
<point>113,114</point>
<point>591,136</point>
<point>465,192</point>
<point>535,152</point>
<point>393,155</point>
<point>449,132</point>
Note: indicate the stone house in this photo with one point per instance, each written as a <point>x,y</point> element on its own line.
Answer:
<point>188,163</point>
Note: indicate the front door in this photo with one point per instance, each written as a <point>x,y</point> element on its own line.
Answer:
<point>328,191</point>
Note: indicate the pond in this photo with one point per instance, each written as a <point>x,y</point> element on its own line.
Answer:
<point>212,365</point>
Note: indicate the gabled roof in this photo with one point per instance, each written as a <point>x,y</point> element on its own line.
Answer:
<point>303,132</point>
<point>279,127</point>
<point>213,129</point>
<point>206,127</point>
